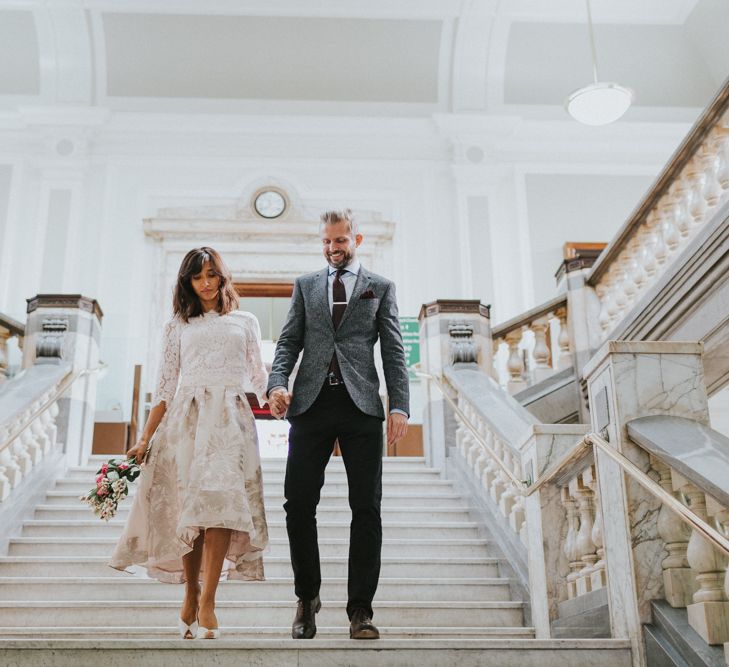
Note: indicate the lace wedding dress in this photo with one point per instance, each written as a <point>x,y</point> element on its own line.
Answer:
<point>203,469</point>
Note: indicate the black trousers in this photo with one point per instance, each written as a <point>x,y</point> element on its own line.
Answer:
<point>311,440</point>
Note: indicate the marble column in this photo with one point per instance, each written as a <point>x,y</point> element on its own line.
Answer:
<point>627,380</point>
<point>68,327</point>
<point>451,331</point>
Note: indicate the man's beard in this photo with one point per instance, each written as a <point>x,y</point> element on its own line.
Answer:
<point>342,261</point>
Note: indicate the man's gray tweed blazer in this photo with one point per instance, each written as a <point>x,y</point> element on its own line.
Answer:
<point>309,327</point>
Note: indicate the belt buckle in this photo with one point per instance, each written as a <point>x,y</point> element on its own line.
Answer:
<point>333,380</point>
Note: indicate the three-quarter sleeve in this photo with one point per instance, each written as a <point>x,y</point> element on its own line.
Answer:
<point>169,365</point>
<point>257,374</point>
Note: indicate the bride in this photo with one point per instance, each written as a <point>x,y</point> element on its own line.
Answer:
<point>198,513</point>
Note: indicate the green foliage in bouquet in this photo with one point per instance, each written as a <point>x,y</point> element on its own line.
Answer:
<point>112,484</point>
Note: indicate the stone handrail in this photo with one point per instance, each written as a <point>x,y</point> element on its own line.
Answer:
<point>547,351</point>
<point>688,191</point>
<point>504,448</point>
<point>9,328</point>
<point>28,411</point>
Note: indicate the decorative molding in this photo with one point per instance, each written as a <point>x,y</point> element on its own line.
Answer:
<point>65,301</point>
<point>462,346</point>
<point>464,306</point>
<point>50,341</point>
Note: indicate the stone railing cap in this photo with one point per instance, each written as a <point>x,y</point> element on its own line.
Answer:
<point>455,306</point>
<point>65,301</point>
<point>639,347</point>
<point>695,450</point>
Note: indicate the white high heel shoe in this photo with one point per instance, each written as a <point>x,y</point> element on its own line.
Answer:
<point>208,633</point>
<point>187,631</point>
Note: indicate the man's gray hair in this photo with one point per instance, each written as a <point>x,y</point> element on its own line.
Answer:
<point>345,215</point>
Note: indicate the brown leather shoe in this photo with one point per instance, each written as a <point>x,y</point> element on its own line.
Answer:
<point>304,626</point>
<point>362,627</point>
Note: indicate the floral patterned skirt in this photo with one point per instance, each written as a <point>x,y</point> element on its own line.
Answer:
<point>203,471</point>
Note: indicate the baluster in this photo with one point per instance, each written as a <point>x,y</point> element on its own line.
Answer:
<point>5,485</point>
<point>563,341</point>
<point>31,446</point>
<point>677,193</point>
<point>4,337</point>
<point>635,264</point>
<point>696,180</point>
<point>584,545</point>
<point>515,363</point>
<point>597,575</point>
<point>517,516</point>
<point>711,605</point>
<point>483,456</point>
<point>506,502</point>
<point>489,472</point>
<point>570,543</point>
<point>711,163</point>
<point>678,578</point>
<point>7,460</point>
<point>18,450</point>
<point>52,413</point>
<point>660,250</point>
<point>619,295</point>
<point>668,225</point>
<point>541,352</point>
<point>498,484</point>
<point>722,151</point>
<point>603,293</point>
<point>495,346</point>
<point>628,266</point>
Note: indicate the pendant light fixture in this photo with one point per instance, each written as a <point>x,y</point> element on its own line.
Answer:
<point>601,102</point>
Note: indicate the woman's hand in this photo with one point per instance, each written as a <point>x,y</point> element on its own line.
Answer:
<point>139,451</point>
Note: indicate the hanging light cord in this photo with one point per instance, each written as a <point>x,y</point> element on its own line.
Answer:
<point>592,41</point>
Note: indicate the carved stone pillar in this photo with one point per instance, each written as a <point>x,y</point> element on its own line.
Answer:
<point>450,331</point>
<point>67,327</point>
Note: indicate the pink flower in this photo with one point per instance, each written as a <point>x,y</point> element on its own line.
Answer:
<point>123,466</point>
<point>102,491</point>
<point>99,479</point>
<point>104,468</point>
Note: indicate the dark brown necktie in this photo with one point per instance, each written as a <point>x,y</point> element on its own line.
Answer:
<point>339,305</point>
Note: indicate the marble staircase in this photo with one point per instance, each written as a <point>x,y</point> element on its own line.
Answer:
<point>446,595</point>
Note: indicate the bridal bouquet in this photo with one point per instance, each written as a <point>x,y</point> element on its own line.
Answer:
<point>112,484</point>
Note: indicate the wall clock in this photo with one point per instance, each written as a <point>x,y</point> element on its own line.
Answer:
<point>269,204</point>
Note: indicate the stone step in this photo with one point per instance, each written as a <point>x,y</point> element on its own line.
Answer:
<point>275,486</point>
<point>79,511</point>
<point>401,463</point>
<point>69,546</point>
<point>328,499</point>
<point>276,475</point>
<point>135,588</point>
<point>40,614</point>
<point>276,566</point>
<point>340,529</point>
<point>339,632</point>
<point>387,652</point>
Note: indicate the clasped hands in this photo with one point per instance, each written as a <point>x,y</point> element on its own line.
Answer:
<point>278,401</point>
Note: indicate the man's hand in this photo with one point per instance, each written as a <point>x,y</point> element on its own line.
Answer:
<point>397,427</point>
<point>279,400</point>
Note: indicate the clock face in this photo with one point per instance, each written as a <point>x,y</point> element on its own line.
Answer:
<point>270,204</point>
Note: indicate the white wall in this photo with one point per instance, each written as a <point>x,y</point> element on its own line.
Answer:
<point>487,229</point>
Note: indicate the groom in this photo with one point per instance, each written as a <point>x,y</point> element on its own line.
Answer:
<point>336,316</point>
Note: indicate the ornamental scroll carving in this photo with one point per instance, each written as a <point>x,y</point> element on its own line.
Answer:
<point>50,341</point>
<point>462,346</point>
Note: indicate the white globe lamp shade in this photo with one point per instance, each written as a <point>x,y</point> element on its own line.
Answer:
<point>600,103</point>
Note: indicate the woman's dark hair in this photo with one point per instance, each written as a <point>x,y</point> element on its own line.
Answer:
<point>185,303</point>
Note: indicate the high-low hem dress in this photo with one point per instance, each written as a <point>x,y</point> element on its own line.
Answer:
<point>203,469</point>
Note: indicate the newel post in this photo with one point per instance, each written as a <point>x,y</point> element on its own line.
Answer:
<point>451,331</point>
<point>627,380</point>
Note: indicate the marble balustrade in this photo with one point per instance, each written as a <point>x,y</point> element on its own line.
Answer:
<point>692,192</point>
<point>25,439</point>
<point>532,347</point>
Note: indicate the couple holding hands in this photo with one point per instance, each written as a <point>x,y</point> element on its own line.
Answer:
<point>199,512</point>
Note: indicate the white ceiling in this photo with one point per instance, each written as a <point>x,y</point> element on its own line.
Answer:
<point>355,57</point>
